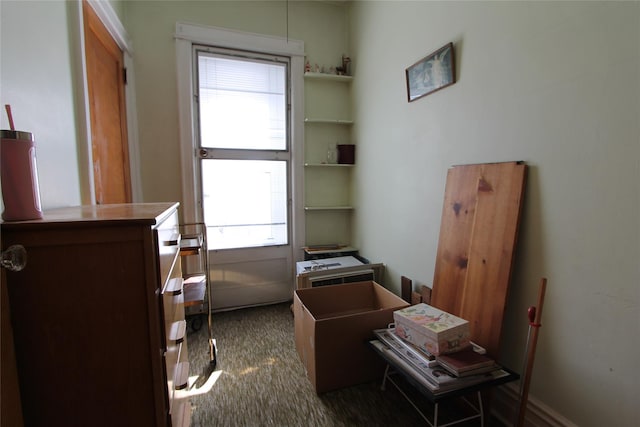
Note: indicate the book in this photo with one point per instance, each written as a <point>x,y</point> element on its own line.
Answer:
<point>466,362</point>
<point>438,377</point>
<point>389,337</point>
<point>430,370</point>
<point>437,380</point>
<point>405,366</point>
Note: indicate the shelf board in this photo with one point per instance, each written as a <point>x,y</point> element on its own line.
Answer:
<point>329,121</point>
<point>312,251</point>
<point>325,76</point>
<point>329,165</point>
<point>328,208</point>
<point>190,245</point>
<point>194,290</point>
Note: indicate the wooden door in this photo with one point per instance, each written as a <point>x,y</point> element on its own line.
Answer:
<point>105,80</point>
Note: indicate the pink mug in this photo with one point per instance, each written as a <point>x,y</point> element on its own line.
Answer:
<point>18,171</point>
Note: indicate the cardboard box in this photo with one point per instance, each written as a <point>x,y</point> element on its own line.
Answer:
<point>333,325</point>
<point>431,329</point>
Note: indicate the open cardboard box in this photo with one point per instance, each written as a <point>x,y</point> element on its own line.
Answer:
<point>333,325</point>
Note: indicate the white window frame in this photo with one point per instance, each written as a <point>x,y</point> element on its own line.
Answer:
<point>186,36</point>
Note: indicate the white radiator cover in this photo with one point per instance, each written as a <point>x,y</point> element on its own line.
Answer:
<point>337,270</point>
<point>345,277</point>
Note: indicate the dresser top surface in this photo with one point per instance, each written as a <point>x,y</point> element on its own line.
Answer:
<point>143,213</point>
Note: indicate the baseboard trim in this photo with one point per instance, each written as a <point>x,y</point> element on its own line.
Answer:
<point>505,403</point>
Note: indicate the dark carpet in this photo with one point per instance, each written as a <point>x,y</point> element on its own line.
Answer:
<point>259,380</point>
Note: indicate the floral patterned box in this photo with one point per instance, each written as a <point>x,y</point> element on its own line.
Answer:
<point>432,330</point>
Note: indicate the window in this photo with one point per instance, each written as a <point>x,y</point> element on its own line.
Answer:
<point>243,103</point>
<point>244,149</point>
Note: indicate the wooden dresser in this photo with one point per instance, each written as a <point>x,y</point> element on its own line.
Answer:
<point>98,316</point>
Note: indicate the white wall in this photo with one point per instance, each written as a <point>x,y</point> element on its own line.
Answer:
<point>151,26</point>
<point>37,78</point>
<point>555,84</point>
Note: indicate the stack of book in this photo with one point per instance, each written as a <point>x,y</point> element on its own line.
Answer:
<point>466,363</point>
<point>442,373</point>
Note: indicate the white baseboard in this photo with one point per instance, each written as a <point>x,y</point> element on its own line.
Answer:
<point>506,400</point>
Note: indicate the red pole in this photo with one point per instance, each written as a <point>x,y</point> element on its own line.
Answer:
<point>534,325</point>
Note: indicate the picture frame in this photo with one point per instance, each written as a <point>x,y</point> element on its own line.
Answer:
<point>432,73</point>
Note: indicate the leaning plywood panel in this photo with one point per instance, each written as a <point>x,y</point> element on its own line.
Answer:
<point>477,242</point>
<point>491,249</point>
<point>455,234</point>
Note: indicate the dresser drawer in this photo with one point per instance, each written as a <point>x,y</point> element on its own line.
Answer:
<point>168,246</point>
<point>175,354</point>
<point>172,301</point>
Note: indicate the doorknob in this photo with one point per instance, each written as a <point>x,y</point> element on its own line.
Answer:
<point>14,258</point>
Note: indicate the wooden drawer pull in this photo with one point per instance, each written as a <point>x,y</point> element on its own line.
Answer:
<point>174,240</point>
<point>178,331</point>
<point>181,376</point>
<point>174,286</point>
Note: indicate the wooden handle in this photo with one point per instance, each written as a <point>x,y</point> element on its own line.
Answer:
<point>535,325</point>
<point>178,331</point>
<point>543,289</point>
<point>181,376</point>
<point>174,286</point>
<point>174,240</point>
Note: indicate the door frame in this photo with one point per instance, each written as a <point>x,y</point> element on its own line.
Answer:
<point>186,36</point>
<point>112,23</point>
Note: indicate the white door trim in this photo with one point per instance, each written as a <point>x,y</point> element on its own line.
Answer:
<point>189,34</point>
<point>230,292</point>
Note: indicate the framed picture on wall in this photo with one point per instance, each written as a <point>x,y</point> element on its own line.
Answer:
<point>433,72</point>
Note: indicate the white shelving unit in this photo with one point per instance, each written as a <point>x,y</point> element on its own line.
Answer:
<point>328,208</point>
<point>329,77</point>
<point>329,121</point>
<point>327,165</point>
<point>328,199</point>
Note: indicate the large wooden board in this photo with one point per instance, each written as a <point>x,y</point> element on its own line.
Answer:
<point>478,234</point>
